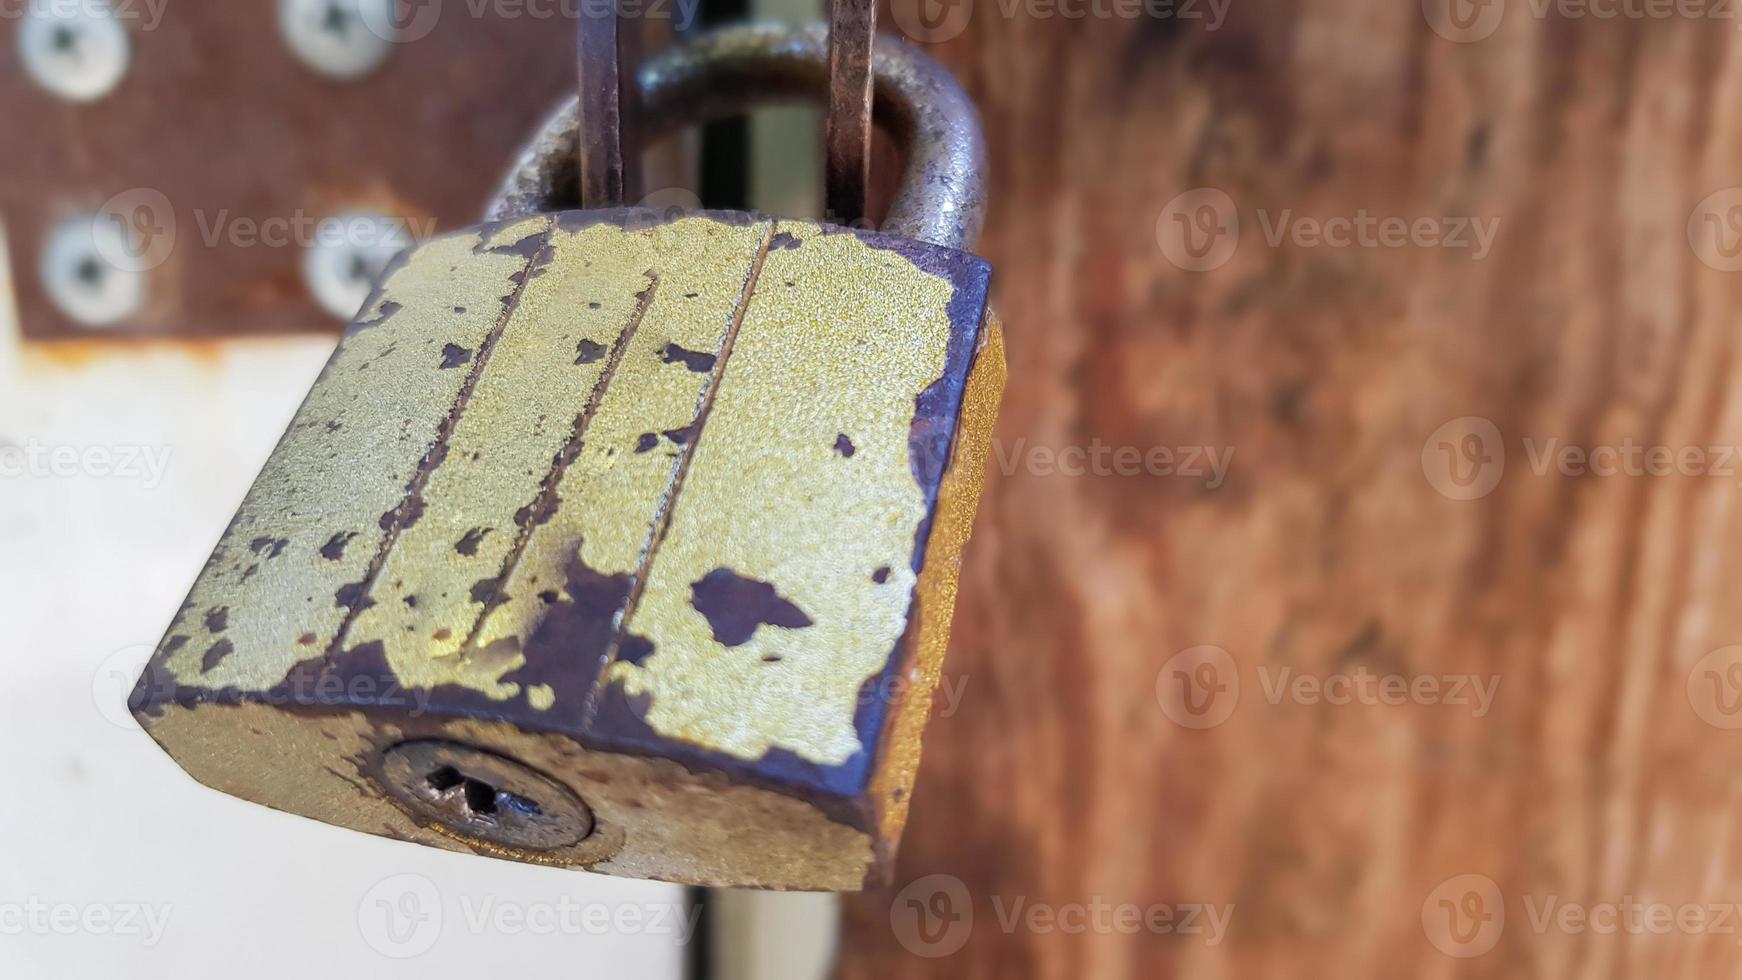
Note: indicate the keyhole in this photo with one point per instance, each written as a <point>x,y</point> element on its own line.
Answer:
<point>483,796</point>
<point>482,799</point>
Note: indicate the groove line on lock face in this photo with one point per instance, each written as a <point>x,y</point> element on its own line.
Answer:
<point>542,621</point>
<point>288,574</point>
<point>446,570</point>
<point>437,455</point>
<point>669,504</point>
<point>571,450</point>
<point>786,567</point>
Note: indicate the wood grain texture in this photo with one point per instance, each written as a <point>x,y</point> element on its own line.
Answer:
<point>1591,600</point>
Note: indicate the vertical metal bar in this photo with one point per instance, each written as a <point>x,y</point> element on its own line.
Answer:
<point>701,955</point>
<point>608,52</point>
<point>725,143</point>
<point>847,169</point>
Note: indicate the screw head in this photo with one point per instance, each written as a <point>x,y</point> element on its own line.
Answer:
<point>347,256</point>
<point>337,38</point>
<point>83,281</point>
<point>79,52</point>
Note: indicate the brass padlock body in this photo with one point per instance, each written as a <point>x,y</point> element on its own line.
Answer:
<point>609,543</point>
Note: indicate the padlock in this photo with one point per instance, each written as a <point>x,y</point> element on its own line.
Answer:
<point>619,541</point>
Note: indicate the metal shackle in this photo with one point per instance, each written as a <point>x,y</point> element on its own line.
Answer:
<point>723,72</point>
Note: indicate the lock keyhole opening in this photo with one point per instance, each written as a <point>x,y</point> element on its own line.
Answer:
<point>481,795</point>
<point>481,798</point>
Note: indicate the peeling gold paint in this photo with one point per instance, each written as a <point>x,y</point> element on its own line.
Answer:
<point>613,495</point>
<point>541,697</point>
<point>518,420</point>
<point>347,459</point>
<point>839,338</point>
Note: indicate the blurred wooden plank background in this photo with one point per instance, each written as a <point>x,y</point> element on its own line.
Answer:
<point>1596,607</point>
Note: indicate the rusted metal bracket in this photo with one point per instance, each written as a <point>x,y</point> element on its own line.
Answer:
<point>232,142</point>
<point>847,160</point>
<point>609,50</point>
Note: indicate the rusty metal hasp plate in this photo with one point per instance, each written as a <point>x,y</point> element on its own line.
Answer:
<point>609,544</point>
<point>249,172</point>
